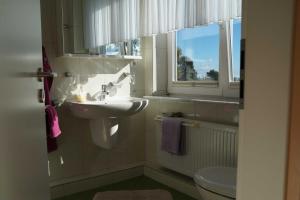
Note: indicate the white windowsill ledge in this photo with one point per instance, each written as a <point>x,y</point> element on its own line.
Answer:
<point>117,57</point>
<point>204,99</point>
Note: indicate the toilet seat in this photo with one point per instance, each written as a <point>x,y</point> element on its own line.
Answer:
<point>220,180</point>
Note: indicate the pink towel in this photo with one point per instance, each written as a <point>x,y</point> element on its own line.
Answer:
<point>53,130</point>
<point>52,125</point>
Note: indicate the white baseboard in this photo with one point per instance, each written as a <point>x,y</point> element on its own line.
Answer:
<point>181,184</point>
<point>84,183</point>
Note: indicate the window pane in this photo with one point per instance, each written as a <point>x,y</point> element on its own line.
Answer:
<point>198,53</point>
<point>236,49</point>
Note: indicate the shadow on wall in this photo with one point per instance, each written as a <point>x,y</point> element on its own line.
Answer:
<point>89,74</point>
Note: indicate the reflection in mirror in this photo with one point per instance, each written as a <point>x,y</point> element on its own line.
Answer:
<point>122,48</point>
<point>72,21</point>
<point>73,34</point>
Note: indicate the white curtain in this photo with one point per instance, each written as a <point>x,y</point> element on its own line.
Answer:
<point>109,21</point>
<point>161,16</point>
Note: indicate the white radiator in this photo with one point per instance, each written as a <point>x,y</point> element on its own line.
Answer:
<point>207,145</point>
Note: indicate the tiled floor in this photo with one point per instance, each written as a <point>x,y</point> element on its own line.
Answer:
<point>139,183</point>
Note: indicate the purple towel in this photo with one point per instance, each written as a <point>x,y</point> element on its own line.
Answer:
<point>173,137</point>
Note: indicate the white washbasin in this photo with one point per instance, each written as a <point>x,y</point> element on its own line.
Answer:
<point>104,116</point>
<point>111,107</point>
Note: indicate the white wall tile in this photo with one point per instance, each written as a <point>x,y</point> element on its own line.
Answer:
<point>219,113</point>
<point>79,154</point>
<point>137,133</point>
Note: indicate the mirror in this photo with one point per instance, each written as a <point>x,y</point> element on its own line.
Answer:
<point>72,25</point>
<point>72,33</point>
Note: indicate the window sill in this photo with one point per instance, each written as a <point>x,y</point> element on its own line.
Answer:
<point>234,85</point>
<point>117,57</point>
<point>195,83</point>
<point>204,99</point>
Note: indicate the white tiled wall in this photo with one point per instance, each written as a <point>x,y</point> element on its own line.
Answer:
<point>77,156</point>
<point>220,113</point>
<point>147,44</point>
<point>214,112</point>
<point>90,73</point>
<point>80,157</point>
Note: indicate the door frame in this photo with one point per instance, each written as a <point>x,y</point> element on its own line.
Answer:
<point>293,160</point>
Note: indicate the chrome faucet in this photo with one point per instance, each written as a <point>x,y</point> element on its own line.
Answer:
<point>123,76</point>
<point>104,92</point>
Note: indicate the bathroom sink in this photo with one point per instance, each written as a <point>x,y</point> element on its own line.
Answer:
<point>111,107</point>
<point>104,117</point>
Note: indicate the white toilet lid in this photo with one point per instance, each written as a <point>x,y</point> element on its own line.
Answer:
<point>221,180</point>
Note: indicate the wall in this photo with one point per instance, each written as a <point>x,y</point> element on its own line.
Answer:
<point>80,157</point>
<point>214,112</point>
<point>264,121</point>
<point>77,157</point>
<point>90,74</point>
<point>220,113</point>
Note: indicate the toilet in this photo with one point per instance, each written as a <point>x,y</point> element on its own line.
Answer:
<point>216,183</point>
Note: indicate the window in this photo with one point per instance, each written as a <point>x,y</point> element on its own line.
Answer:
<point>198,54</point>
<point>205,60</point>
<point>235,50</point>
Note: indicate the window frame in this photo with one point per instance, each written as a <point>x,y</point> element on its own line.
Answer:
<point>231,79</point>
<point>194,82</point>
<point>222,87</point>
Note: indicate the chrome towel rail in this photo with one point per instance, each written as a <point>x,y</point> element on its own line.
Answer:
<point>185,122</point>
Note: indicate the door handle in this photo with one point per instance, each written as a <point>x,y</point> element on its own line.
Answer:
<point>40,74</point>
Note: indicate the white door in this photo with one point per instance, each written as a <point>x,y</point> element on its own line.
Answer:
<point>23,156</point>
<point>264,121</point>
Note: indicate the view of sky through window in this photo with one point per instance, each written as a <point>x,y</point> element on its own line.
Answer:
<point>198,53</point>
<point>236,49</point>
